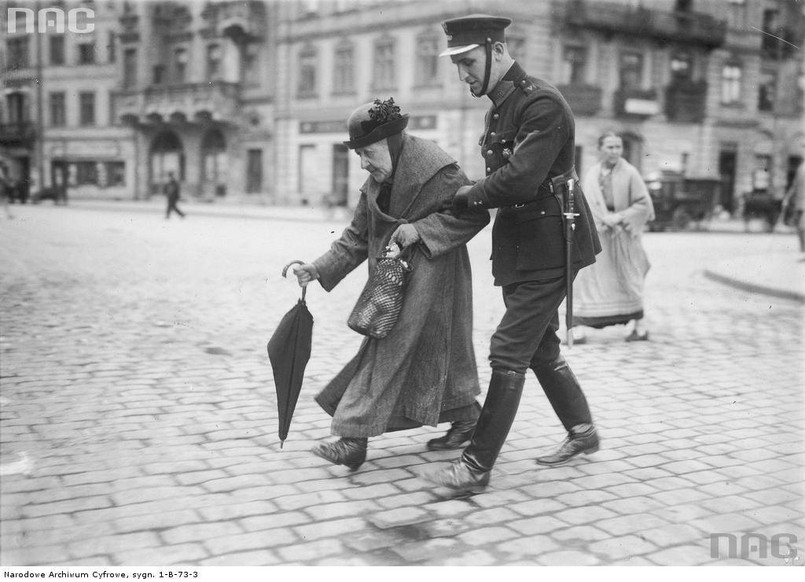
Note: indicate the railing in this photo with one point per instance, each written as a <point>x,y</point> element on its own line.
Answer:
<point>192,101</point>
<point>583,99</point>
<point>610,17</point>
<point>21,132</point>
<point>636,103</point>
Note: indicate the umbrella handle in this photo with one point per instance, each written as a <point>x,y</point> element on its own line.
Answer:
<point>285,273</point>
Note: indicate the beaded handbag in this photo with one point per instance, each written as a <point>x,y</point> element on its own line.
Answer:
<point>379,305</point>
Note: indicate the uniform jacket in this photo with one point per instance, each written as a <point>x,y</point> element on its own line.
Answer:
<point>529,138</point>
<point>426,365</point>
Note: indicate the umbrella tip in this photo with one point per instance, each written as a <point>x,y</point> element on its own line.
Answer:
<point>282,443</point>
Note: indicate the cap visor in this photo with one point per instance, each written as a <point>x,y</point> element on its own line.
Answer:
<point>457,50</point>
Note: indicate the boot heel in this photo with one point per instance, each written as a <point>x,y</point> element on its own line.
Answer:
<point>592,450</point>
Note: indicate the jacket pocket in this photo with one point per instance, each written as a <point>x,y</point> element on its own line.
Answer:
<point>540,236</point>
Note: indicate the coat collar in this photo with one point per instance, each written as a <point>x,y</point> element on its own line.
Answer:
<point>506,85</point>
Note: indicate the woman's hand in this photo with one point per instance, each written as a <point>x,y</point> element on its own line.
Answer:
<point>305,274</point>
<point>405,235</point>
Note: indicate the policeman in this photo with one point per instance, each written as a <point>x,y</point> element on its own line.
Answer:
<point>528,147</point>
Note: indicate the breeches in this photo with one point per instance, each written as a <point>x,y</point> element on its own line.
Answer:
<point>526,336</point>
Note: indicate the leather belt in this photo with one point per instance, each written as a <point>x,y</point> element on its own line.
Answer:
<point>551,187</point>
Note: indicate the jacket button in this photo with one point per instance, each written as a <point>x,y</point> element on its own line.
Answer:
<point>489,152</point>
<point>488,170</point>
<point>496,116</point>
<point>492,134</point>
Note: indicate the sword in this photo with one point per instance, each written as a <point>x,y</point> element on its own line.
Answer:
<point>570,227</point>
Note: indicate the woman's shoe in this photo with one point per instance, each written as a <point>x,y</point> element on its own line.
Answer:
<point>345,451</point>
<point>636,337</point>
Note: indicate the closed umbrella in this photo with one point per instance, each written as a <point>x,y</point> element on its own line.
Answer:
<point>289,352</point>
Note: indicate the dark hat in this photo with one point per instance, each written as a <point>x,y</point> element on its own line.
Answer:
<point>372,122</point>
<point>468,32</point>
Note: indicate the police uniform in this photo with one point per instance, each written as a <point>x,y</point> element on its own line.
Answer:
<point>528,147</point>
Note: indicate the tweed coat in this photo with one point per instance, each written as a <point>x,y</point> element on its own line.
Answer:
<point>426,366</point>
<point>529,138</point>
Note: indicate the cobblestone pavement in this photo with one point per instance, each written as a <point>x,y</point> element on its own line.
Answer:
<point>138,419</point>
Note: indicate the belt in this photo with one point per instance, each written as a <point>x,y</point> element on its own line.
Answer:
<point>551,187</point>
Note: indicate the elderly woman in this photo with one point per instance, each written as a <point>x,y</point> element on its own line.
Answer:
<point>424,371</point>
<point>610,292</point>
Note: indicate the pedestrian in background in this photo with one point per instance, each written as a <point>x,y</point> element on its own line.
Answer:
<point>424,371</point>
<point>610,292</point>
<point>528,148</point>
<point>173,193</point>
<point>5,190</point>
<point>795,197</point>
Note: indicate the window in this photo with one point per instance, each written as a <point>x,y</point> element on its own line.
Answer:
<point>180,65</point>
<point>213,62</point>
<point>115,173</point>
<point>736,17</point>
<point>766,91</point>
<point>86,173</point>
<point>86,108</point>
<point>129,68</point>
<point>384,64</point>
<point>631,70</point>
<point>731,84</point>
<point>307,72</point>
<point>427,57</point>
<point>86,53</point>
<point>344,69</point>
<point>17,53</point>
<point>56,43</point>
<point>574,65</point>
<point>58,115</point>
<point>254,171</point>
<point>251,64</point>
<point>681,66</point>
<point>158,76</point>
<point>112,47</point>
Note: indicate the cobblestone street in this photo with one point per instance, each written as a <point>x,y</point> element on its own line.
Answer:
<point>138,414</point>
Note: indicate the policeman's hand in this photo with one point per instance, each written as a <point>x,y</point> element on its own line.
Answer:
<point>405,235</point>
<point>305,274</point>
<point>461,200</point>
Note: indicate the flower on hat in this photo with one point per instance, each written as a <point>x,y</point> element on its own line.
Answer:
<point>382,112</point>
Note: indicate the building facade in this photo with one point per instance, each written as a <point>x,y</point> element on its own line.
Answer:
<point>248,99</point>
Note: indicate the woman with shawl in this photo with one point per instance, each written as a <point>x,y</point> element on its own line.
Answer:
<point>610,292</point>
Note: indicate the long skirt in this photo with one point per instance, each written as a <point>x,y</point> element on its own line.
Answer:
<point>610,292</point>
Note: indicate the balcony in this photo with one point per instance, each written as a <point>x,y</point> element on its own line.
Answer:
<point>636,21</point>
<point>20,133</point>
<point>636,103</point>
<point>186,103</point>
<point>241,21</point>
<point>583,99</point>
<point>685,101</point>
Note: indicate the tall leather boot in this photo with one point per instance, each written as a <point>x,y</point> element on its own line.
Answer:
<point>471,472</point>
<point>568,401</point>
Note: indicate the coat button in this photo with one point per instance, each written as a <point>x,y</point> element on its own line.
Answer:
<point>488,170</point>
<point>492,134</point>
<point>496,116</point>
<point>489,152</point>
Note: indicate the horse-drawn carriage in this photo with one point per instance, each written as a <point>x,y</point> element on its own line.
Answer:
<point>680,200</point>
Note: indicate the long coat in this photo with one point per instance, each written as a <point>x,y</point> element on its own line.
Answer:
<point>530,138</point>
<point>426,364</point>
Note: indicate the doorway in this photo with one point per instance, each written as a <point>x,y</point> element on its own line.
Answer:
<point>727,165</point>
<point>340,175</point>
